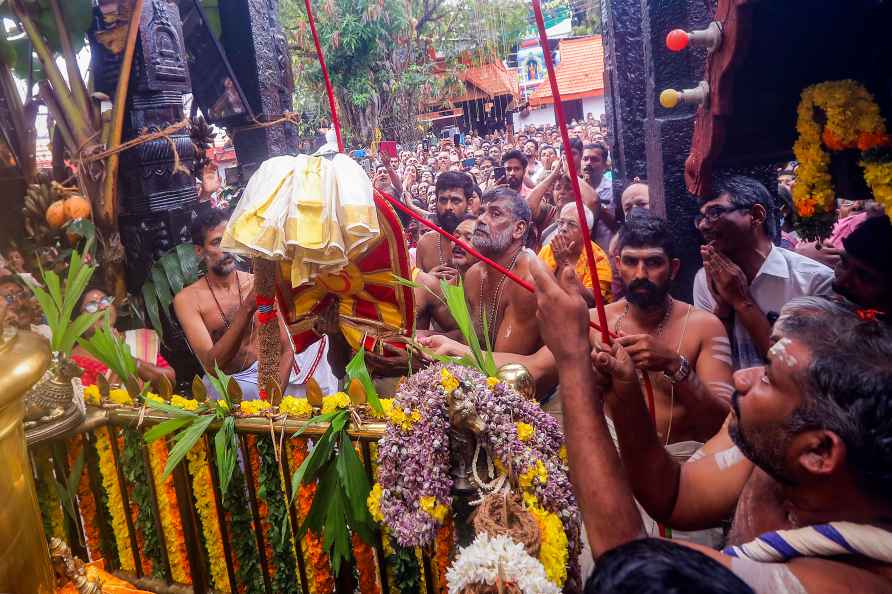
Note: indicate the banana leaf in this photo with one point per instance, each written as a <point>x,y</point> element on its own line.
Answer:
<point>356,369</point>
<point>171,273</point>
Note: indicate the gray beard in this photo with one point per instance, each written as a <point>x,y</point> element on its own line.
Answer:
<point>492,245</point>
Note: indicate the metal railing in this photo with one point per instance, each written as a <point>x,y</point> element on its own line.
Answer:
<point>182,535</point>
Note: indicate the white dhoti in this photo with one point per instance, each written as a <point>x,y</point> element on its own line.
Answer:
<point>312,362</point>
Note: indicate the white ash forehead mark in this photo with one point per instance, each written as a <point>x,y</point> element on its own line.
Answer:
<point>728,458</point>
<point>779,351</point>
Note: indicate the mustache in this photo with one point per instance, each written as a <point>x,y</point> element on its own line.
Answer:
<point>642,283</point>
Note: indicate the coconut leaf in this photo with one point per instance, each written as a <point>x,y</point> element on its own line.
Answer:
<point>185,440</point>
<point>165,428</point>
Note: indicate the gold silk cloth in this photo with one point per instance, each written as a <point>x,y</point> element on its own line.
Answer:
<point>337,244</point>
<point>316,213</point>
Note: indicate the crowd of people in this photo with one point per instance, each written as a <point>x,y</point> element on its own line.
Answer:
<point>755,417</point>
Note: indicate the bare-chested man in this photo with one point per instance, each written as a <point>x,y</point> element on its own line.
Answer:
<point>429,306</point>
<point>510,310</point>
<point>683,351</point>
<point>434,253</point>
<point>805,450</point>
<point>217,316</point>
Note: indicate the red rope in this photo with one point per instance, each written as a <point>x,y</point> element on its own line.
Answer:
<point>335,122</point>
<point>565,137</point>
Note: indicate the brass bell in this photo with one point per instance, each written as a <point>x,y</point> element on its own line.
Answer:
<point>519,378</point>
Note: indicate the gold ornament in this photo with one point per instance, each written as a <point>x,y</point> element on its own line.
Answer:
<point>519,378</point>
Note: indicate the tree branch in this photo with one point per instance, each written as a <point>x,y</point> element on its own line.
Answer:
<point>75,82</point>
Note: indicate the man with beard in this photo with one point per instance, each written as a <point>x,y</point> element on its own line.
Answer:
<point>515,164</point>
<point>594,170</point>
<point>429,305</point>
<point>745,279</point>
<point>434,253</point>
<point>802,464</point>
<point>217,311</point>
<point>863,274</point>
<point>501,231</point>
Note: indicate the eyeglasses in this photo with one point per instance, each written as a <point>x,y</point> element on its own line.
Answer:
<point>94,306</point>
<point>12,298</point>
<point>714,213</point>
<point>569,224</point>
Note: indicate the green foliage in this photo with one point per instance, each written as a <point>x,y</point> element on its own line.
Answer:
<point>241,535</point>
<point>342,489</point>
<point>174,270</point>
<point>356,369</point>
<point>105,346</point>
<point>406,568</point>
<point>58,303</point>
<point>136,474</point>
<point>68,491</point>
<point>458,308</point>
<point>284,579</point>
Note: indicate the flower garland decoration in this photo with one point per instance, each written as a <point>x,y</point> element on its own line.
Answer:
<point>282,560</point>
<point>443,546</point>
<point>206,506</point>
<point>318,568</point>
<point>524,442</point>
<point>366,566</point>
<point>47,499</point>
<point>86,501</point>
<point>171,523</point>
<point>853,121</point>
<point>115,502</point>
<point>241,535</point>
<point>137,477</point>
<point>108,551</point>
<point>490,560</point>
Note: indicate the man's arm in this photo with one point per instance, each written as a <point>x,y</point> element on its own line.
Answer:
<point>537,194</point>
<point>601,487</point>
<point>208,352</point>
<point>395,180</point>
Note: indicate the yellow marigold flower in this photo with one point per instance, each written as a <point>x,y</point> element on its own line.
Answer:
<point>254,407</point>
<point>296,407</point>
<point>120,396</point>
<point>335,402</point>
<point>402,419</point>
<point>223,405</point>
<point>492,382</point>
<point>552,542</point>
<point>431,507</point>
<point>154,397</point>
<point>447,380</point>
<point>525,431</point>
<point>562,453</point>
<point>92,395</point>
<point>374,503</point>
<point>537,472</point>
<point>184,403</point>
<point>386,407</point>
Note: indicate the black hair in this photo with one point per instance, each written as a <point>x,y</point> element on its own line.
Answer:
<point>846,387</point>
<point>477,190</point>
<point>871,243</point>
<point>206,220</point>
<point>576,145</point>
<point>598,146</point>
<point>449,180</point>
<point>490,159</point>
<point>747,192</point>
<point>12,279</point>
<point>646,229</point>
<point>468,216</point>
<point>516,203</point>
<point>533,140</point>
<point>655,566</point>
<point>517,155</point>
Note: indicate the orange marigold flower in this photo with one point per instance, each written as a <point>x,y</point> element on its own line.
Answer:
<point>869,140</point>
<point>831,141</point>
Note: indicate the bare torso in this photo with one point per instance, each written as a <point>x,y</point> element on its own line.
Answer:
<point>432,251</point>
<point>217,309</point>
<point>516,329</point>
<point>685,333</point>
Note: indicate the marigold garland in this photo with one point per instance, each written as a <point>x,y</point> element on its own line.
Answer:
<point>206,506</point>
<point>853,121</point>
<point>115,503</point>
<point>86,501</point>
<point>171,523</point>
<point>366,566</point>
<point>317,563</point>
<point>443,547</point>
<point>50,507</point>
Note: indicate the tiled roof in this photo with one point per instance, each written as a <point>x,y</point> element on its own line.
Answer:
<point>487,81</point>
<point>580,73</point>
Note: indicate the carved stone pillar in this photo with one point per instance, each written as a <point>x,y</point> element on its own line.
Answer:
<point>257,49</point>
<point>157,192</point>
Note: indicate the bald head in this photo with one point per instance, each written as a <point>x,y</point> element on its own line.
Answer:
<point>568,211</point>
<point>636,195</point>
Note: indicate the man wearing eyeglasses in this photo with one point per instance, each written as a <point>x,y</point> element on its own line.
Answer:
<point>746,279</point>
<point>21,308</point>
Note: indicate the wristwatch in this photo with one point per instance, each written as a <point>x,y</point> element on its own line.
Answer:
<point>684,370</point>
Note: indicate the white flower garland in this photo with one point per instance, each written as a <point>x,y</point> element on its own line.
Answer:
<point>485,559</point>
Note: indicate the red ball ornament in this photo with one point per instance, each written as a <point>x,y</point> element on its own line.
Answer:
<point>677,40</point>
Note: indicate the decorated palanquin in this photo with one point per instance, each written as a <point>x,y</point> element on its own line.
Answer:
<point>339,249</point>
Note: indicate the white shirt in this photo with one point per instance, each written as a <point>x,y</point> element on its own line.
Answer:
<point>784,275</point>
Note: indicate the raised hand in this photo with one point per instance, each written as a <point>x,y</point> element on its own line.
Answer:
<point>562,312</point>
